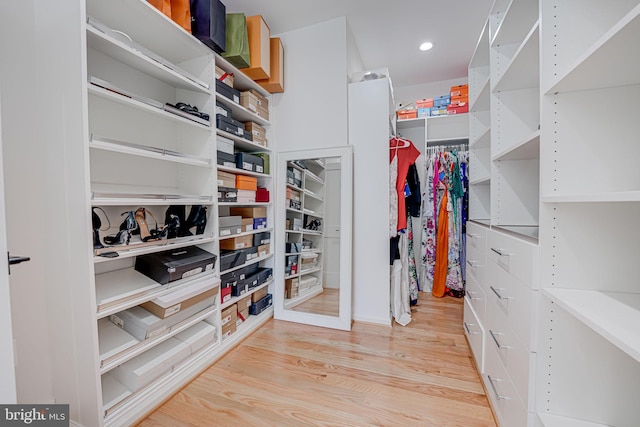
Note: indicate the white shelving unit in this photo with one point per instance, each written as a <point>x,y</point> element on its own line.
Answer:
<point>588,314</point>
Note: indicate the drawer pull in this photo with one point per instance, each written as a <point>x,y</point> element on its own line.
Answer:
<point>466,326</point>
<point>473,236</point>
<point>495,391</point>
<point>471,295</point>
<point>495,339</point>
<point>500,252</point>
<point>471,263</point>
<point>495,291</point>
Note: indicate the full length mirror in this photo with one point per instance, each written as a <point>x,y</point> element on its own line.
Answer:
<point>313,266</point>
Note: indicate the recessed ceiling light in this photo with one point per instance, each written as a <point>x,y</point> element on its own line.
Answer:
<point>426,46</point>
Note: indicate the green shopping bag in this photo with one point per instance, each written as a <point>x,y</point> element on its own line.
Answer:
<point>237,50</point>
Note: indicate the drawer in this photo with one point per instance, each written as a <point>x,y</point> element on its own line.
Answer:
<point>514,255</point>
<point>518,362</point>
<point>505,401</point>
<point>519,304</point>
<point>476,265</point>
<point>475,334</point>
<point>476,297</point>
<point>477,237</point>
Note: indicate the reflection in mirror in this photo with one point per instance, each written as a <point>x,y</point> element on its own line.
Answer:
<point>313,276</point>
<point>312,265</point>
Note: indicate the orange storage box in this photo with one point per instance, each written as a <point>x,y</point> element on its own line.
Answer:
<point>259,48</point>
<point>246,183</point>
<point>460,100</point>
<point>407,114</point>
<point>460,90</point>
<point>275,82</point>
<point>457,109</point>
<point>424,103</point>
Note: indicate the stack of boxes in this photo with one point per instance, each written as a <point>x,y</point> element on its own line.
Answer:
<point>456,102</point>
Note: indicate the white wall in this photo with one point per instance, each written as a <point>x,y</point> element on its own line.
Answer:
<point>408,94</point>
<point>354,60</point>
<point>312,111</point>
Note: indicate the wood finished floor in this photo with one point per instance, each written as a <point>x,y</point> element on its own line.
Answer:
<point>287,374</point>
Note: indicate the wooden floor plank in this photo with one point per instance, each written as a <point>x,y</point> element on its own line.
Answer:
<point>287,374</point>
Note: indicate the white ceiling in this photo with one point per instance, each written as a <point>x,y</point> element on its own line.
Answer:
<point>388,32</point>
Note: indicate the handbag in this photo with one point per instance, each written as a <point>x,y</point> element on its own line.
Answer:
<point>237,51</point>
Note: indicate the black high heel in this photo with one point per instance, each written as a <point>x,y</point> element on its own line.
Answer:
<point>174,217</point>
<point>127,228</point>
<point>197,218</point>
<point>97,223</point>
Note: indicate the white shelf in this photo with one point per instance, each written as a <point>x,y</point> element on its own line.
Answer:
<point>480,56</point>
<point>234,300</point>
<point>244,204</point>
<point>253,261</point>
<point>607,63</point>
<point>460,140</point>
<point>240,113</point>
<point>244,144</point>
<point>240,81</point>
<point>528,148</point>
<point>121,99</point>
<point>313,195</point>
<point>303,296</point>
<point>128,251</point>
<point>243,172</point>
<point>313,176</point>
<point>104,199</point>
<point>120,51</point>
<point>418,122</point>
<point>523,72</point>
<point>482,102</point>
<point>447,128</point>
<point>483,141</point>
<point>613,315</point>
<point>549,420</point>
<point>609,197</point>
<point>146,151</point>
<point>312,213</point>
<point>294,211</point>
<point>295,187</point>
<point>513,28</point>
<point>481,181</point>
<point>246,233</point>
<point>310,271</point>
<point>312,232</point>
<point>530,231</point>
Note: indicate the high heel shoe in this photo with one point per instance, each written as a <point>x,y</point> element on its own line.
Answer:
<point>97,223</point>
<point>197,218</point>
<point>127,228</point>
<point>174,217</point>
<point>141,219</point>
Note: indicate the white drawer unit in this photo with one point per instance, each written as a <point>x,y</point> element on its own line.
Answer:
<point>517,302</point>
<point>475,334</point>
<point>476,237</point>
<point>515,256</point>
<point>506,403</point>
<point>516,359</point>
<point>476,296</point>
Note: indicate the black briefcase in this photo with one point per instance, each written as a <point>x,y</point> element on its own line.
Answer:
<point>209,23</point>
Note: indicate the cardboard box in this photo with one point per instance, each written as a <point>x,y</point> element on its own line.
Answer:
<point>460,90</point>
<point>264,250</point>
<point>226,179</point>
<point>229,314</point>
<point>228,77</point>
<point>173,302</point>
<point>407,114</point>
<point>439,111</point>
<point>247,224</point>
<point>175,264</point>
<point>249,212</point>
<point>424,103</point>
<point>244,303</point>
<point>264,275</point>
<point>229,329</point>
<point>291,287</point>
<point>259,294</point>
<point>275,82</point>
<point>259,48</point>
<point>441,101</point>
<point>258,133</point>
<point>457,109</point>
<point>243,315</point>
<point>239,242</point>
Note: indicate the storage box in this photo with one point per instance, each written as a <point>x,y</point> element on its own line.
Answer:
<point>457,109</point>
<point>230,225</point>
<point>459,100</point>
<point>229,314</point>
<point>198,336</point>
<point>224,77</point>
<point>291,287</point>
<point>251,101</point>
<point>307,244</point>
<point>247,224</point>
<point>239,242</point>
<point>228,279</point>
<point>441,101</point>
<point>275,82</point>
<point>263,250</point>
<point>223,110</point>
<point>308,261</point>
<point>262,195</point>
<point>225,145</point>
<point>230,259</point>
<point>176,264</point>
<point>181,299</point>
<point>112,339</point>
<point>424,103</point>
<point>307,282</point>
<point>148,366</point>
<point>243,314</point>
<point>227,91</point>
<point>264,275</point>
<point>209,23</point>
<point>424,112</point>
<point>226,194</point>
<point>227,124</point>
<point>258,133</point>
<point>261,238</point>
<point>237,40</point>
<point>226,179</point>
<point>293,248</point>
<point>229,329</point>
<point>225,294</point>
<point>259,48</point>
<point>246,271</point>
<point>259,294</point>
<point>407,114</point>
<point>297,224</point>
<point>460,90</point>
<point>226,159</point>
<point>249,162</point>
<point>261,305</point>
<point>439,111</point>
<point>251,252</point>
<point>249,212</point>
<point>259,223</point>
<point>265,162</point>
<point>246,196</point>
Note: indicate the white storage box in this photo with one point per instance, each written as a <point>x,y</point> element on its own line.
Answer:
<point>169,304</point>
<point>145,368</point>
<point>198,336</point>
<point>225,145</point>
<point>308,282</point>
<point>308,261</point>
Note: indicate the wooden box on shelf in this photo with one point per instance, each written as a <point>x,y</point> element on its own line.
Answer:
<point>259,36</point>
<point>275,82</point>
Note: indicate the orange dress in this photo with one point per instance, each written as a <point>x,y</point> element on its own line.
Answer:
<point>442,250</point>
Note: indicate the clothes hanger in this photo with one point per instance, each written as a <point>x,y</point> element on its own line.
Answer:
<point>405,143</point>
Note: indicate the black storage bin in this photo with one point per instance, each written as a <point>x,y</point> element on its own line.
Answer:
<point>209,23</point>
<point>230,259</point>
<point>250,253</point>
<point>226,110</point>
<point>264,275</point>
<point>230,125</point>
<point>167,266</point>
<point>227,91</point>
<point>261,305</point>
<point>228,279</point>
<point>226,194</point>
<point>226,159</point>
<point>293,248</point>
<point>261,238</point>
<point>248,162</point>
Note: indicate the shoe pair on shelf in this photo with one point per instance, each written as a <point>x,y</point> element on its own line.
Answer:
<point>135,223</point>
